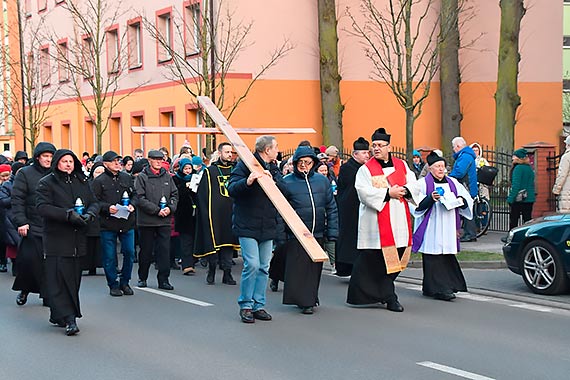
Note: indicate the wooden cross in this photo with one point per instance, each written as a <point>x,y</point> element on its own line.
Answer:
<point>301,232</point>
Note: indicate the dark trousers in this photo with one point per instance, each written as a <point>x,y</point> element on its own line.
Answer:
<point>517,209</point>
<point>224,256</point>
<point>187,248</point>
<point>469,226</point>
<point>149,238</point>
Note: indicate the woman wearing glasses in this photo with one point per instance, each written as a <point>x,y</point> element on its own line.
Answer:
<point>312,198</point>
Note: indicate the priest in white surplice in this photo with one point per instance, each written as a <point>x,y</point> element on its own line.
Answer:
<point>385,186</point>
<point>443,200</point>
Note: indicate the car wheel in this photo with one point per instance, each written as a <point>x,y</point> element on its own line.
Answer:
<point>542,268</point>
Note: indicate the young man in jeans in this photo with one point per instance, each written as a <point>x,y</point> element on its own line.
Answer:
<point>255,223</point>
<point>109,188</point>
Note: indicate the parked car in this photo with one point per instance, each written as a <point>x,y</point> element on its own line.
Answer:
<point>540,252</point>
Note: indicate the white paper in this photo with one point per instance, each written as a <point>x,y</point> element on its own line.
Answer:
<point>122,212</point>
<point>450,201</point>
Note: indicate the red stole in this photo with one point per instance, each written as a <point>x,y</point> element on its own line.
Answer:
<point>388,244</point>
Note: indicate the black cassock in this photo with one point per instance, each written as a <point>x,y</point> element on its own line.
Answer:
<point>302,276</point>
<point>348,204</point>
<point>214,212</point>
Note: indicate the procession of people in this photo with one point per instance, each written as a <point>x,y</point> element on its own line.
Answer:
<point>369,213</point>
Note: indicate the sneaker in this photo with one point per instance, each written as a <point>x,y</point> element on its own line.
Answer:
<point>115,292</point>
<point>141,284</point>
<point>127,290</point>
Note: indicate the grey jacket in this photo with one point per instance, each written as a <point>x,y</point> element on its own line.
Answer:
<point>150,188</point>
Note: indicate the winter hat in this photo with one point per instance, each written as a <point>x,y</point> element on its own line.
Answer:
<point>380,134</point>
<point>111,156</point>
<point>196,160</point>
<point>520,153</point>
<point>21,155</point>
<point>322,156</point>
<point>415,153</point>
<point>17,166</point>
<point>5,168</point>
<point>361,144</point>
<point>332,151</point>
<point>7,154</point>
<point>322,149</point>
<point>139,165</point>
<point>433,157</point>
<point>43,147</point>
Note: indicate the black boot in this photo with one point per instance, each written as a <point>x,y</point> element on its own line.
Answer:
<point>211,274</point>
<point>228,279</point>
<point>71,327</point>
<point>274,285</point>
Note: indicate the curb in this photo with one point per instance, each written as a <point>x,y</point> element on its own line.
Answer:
<point>498,294</point>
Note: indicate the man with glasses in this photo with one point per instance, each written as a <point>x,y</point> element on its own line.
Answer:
<point>157,198</point>
<point>214,237</point>
<point>384,185</point>
<point>109,189</point>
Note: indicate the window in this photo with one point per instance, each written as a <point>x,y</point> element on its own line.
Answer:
<point>42,5</point>
<point>135,44</point>
<point>566,42</point>
<point>62,59</point>
<point>566,85</point>
<point>48,136</point>
<point>44,66</point>
<point>137,119</point>
<point>65,135</point>
<point>28,8</point>
<point>87,55</point>
<point>31,71</point>
<point>192,36</point>
<point>164,38</point>
<point>112,36</point>
<point>166,119</point>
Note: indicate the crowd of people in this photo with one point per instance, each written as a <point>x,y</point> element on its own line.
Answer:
<point>62,216</point>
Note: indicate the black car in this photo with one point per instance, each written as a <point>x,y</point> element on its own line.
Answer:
<point>540,252</point>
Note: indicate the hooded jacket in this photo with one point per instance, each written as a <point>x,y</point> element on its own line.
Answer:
<point>56,196</point>
<point>311,197</point>
<point>24,192</point>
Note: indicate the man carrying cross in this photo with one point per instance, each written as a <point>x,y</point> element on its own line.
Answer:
<point>384,186</point>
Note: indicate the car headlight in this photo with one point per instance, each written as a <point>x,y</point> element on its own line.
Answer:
<point>510,237</point>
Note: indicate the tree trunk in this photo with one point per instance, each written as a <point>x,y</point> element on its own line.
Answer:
<point>331,106</point>
<point>449,75</point>
<point>507,98</point>
<point>409,133</point>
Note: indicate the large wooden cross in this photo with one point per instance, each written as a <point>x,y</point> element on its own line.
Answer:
<point>301,232</point>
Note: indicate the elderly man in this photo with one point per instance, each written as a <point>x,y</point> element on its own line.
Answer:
<point>348,203</point>
<point>255,224</point>
<point>465,171</point>
<point>110,189</point>
<point>384,185</point>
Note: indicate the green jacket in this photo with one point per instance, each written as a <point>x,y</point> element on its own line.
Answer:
<point>522,178</point>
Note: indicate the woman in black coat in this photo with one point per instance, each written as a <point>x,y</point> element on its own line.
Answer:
<point>93,257</point>
<point>67,206</point>
<point>312,198</point>
<point>185,215</point>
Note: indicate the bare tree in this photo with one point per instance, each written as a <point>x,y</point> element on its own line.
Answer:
<point>84,60</point>
<point>208,42</point>
<point>403,48</point>
<point>31,90</point>
<point>507,99</point>
<point>331,106</point>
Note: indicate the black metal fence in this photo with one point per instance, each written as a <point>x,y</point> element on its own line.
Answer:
<point>500,159</point>
<point>553,161</point>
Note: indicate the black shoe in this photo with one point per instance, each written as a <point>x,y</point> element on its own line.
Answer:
<point>141,284</point>
<point>45,302</point>
<point>308,310</point>
<point>115,292</point>
<point>127,290</point>
<point>71,328</point>
<point>394,306</point>
<point>166,286</point>
<point>210,278</point>
<point>262,315</point>
<point>174,266</point>
<point>274,285</point>
<point>228,279</point>
<point>246,316</point>
<point>57,322</point>
<point>22,298</point>
<point>444,296</point>
<point>92,272</point>
<point>3,268</point>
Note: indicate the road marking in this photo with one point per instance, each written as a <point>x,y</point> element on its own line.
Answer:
<point>454,371</point>
<point>176,297</point>
<point>543,309</point>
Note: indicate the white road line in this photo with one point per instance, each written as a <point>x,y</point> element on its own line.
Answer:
<point>543,309</point>
<point>176,297</point>
<point>454,371</point>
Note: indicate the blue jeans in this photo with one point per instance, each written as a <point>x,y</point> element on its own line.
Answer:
<point>109,255</point>
<point>256,257</point>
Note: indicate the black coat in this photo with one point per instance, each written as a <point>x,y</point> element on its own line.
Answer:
<point>150,188</point>
<point>9,230</point>
<point>254,216</point>
<point>108,188</point>
<point>348,205</point>
<point>185,216</point>
<point>24,198</point>
<point>56,195</point>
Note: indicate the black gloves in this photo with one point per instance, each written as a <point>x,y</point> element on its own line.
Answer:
<point>88,217</point>
<point>75,219</point>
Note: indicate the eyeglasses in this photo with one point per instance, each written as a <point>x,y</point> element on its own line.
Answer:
<point>375,145</point>
<point>305,162</point>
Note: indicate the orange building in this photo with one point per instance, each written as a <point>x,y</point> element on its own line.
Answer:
<point>287,95</point>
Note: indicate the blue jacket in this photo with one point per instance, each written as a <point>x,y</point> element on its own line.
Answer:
<point>311,197</point>
<point>465,166</point>
<point>254,216</point>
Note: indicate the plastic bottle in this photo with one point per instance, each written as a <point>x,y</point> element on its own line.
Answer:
<point>440,190</point>
<point>162,203</point>
<point>333,186</point>
<point>79,208</point>
<point>125,199</point>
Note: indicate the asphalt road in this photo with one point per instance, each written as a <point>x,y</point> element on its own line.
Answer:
<point>152,336</point>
